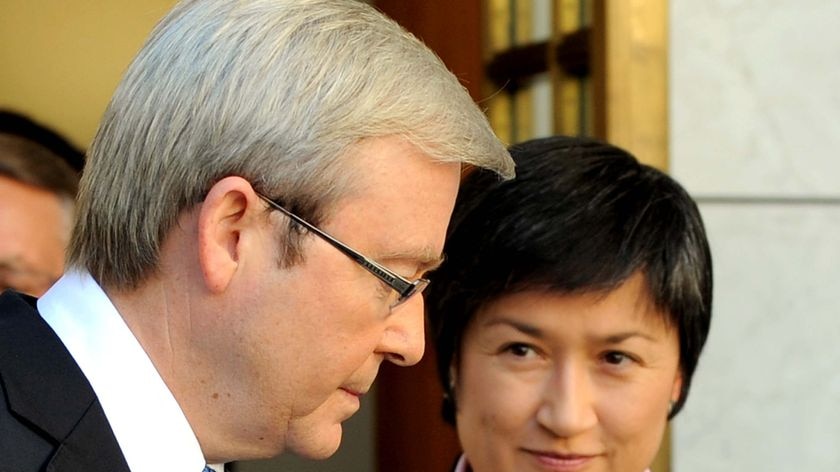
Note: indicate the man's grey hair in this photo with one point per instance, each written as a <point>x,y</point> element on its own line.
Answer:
<point>275,91</point>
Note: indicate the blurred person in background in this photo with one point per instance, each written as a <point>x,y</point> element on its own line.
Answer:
<point>37,191</point>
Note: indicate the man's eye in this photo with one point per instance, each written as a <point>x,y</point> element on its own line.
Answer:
<point>383,290</point>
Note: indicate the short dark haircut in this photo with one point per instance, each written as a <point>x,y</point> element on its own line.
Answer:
<point>31,163</point>
<point>17,124</point>
<point>581,216</point>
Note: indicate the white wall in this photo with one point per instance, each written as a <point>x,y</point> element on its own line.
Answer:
<point>755,137</point>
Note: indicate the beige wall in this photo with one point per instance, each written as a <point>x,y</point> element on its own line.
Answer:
<point>60,60</point>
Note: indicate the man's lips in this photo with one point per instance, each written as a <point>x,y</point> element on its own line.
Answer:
<point>354,392</point>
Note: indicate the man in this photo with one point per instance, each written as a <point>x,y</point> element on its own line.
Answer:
<point>37,188</point>
<point>210,312</point>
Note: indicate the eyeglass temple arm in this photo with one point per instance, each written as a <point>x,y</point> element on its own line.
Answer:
<point>402,285</point>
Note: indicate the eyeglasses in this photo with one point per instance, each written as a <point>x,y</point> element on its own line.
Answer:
<point>404,287</point>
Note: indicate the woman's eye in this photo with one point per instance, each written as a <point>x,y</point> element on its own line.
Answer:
<point>520,350</point>
<point>617,358</point>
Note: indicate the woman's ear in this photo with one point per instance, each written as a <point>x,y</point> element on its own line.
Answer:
<point>227,211</point>
<point>676,390</point>
<point>450,407</point>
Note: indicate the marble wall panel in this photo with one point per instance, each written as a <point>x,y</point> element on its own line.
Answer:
<point>766,395</point>
<point>754,96</point>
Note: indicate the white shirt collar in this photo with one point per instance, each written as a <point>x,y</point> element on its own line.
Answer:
<point>147,421</point>
<point>461,466</point>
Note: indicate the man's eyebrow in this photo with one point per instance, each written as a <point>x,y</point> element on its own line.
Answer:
<point>426,259</point>
<point>430,264</point>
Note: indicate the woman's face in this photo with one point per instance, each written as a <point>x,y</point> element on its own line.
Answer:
<point>582,382</point>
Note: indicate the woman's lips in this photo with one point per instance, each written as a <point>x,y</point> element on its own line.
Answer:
<point>561,461</point>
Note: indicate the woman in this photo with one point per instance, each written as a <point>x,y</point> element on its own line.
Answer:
<point>571,312</point>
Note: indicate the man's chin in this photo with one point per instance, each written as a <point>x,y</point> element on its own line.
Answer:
<point>318,444</point>
<point>318,434</point>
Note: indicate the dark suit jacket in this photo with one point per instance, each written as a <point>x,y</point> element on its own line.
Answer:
<point>50,418</point>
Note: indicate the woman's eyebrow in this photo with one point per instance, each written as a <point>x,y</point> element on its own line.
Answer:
<point>525,328</point>
<point>617,338</point>
<point>531,330</point>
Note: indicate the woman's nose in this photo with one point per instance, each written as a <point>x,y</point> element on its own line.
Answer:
<point>568,402</point>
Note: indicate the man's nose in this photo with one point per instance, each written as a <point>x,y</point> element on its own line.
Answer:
<point>404,339</point>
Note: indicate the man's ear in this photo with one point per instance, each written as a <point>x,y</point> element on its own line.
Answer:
<point>227,211</point>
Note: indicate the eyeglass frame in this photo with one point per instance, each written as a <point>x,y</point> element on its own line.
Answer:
<point>404,287</point>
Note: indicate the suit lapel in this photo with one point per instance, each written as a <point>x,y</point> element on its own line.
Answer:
<point>90,446</point>
<point>45,386</point>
